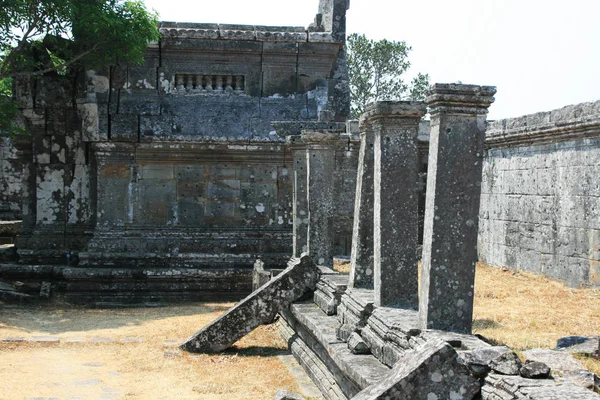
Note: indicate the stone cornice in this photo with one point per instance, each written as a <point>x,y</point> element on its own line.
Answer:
<point>454,98</point>
<point>187,30</point>
<point>392,111</point>
<point>573,121</point>
<point>191,152</point>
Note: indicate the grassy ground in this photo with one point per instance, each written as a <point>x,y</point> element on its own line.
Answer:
<point>524,310</point>
<point>251,370</point>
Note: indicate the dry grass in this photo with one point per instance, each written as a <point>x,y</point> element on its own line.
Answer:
<point>251,370</point>
<point>520,310</point>
<point>342,267</point>
<point>524,310</point>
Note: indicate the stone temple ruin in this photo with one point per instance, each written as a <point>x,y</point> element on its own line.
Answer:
<point>230,147</point>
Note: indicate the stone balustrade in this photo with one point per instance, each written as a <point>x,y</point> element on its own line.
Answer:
<point>209,83</point>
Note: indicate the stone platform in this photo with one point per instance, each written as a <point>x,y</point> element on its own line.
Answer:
<point>83,285</point>
<point>361,348</point>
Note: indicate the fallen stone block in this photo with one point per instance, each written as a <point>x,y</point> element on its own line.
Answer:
<point>588,345</point>
<point>357,345</point>
<point>558,361</point>
<point>513,387</point>
<point>564,367</point>
<point>507,364</point>
<point>257,309</point>
<point>478,360</point>
<point>429,372</point>
<point>10,293</point>
<point>45,290</point>
<point>344,331</point>
<point>535,370</point>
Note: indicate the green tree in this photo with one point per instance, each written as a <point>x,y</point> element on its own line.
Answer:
<point>41,36</point>
<point>49,36</point>
<point>376,71</point>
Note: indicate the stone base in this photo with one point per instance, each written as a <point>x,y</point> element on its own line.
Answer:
<point>8,231</point>
<point>132,285</point>
<point>311,336</point>
<point>190,248</point>
<point>52,247</point>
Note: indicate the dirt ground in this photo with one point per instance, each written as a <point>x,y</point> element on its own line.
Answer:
<point>142,360</point>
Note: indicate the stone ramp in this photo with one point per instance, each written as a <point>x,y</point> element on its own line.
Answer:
<point>258,308</point>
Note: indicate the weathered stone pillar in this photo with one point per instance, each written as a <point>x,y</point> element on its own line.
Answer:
<point>396,201</point>
<point>320,162</point>
<point>361,266</point>
<point>300,200</point>
<point>458,122</point>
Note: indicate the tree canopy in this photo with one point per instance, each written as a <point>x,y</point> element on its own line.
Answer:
<point>41,36</point>
<point>376,70</point>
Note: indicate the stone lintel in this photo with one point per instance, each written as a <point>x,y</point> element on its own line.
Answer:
<point>459,98</point>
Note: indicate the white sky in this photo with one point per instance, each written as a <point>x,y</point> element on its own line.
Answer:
<point>541,54</point>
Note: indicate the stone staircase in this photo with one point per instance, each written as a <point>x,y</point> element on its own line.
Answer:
<point>319,334</point>
<point>349,346</point>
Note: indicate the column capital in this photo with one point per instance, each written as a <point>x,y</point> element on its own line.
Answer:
<point>392,111</point>
<point>454,98</point>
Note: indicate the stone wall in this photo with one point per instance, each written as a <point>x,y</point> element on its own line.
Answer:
<point>540,202</point>
<point>10,181</point>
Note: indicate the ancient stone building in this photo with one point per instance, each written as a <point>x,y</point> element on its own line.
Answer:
<point>181,162</point>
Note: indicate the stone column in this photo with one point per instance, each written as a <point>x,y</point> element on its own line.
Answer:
<point>300,200</point>
<point>396,201</point>
<point>361,266</point>
<point>458,122</point>
<point>320,162</point>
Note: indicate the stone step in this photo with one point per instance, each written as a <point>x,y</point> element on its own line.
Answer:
<point>315,334</point>
<point>180,260</point>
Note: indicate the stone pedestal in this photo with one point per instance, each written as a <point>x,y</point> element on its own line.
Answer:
<point>300,201</point>
<point>361,267</point>
<point>458,122</point>
<point>320,163</point>
<point>396,201</point>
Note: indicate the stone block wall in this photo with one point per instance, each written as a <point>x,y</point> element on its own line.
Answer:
<point>540,201</point>
<point>56,173</point>
<point>10,181</point>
